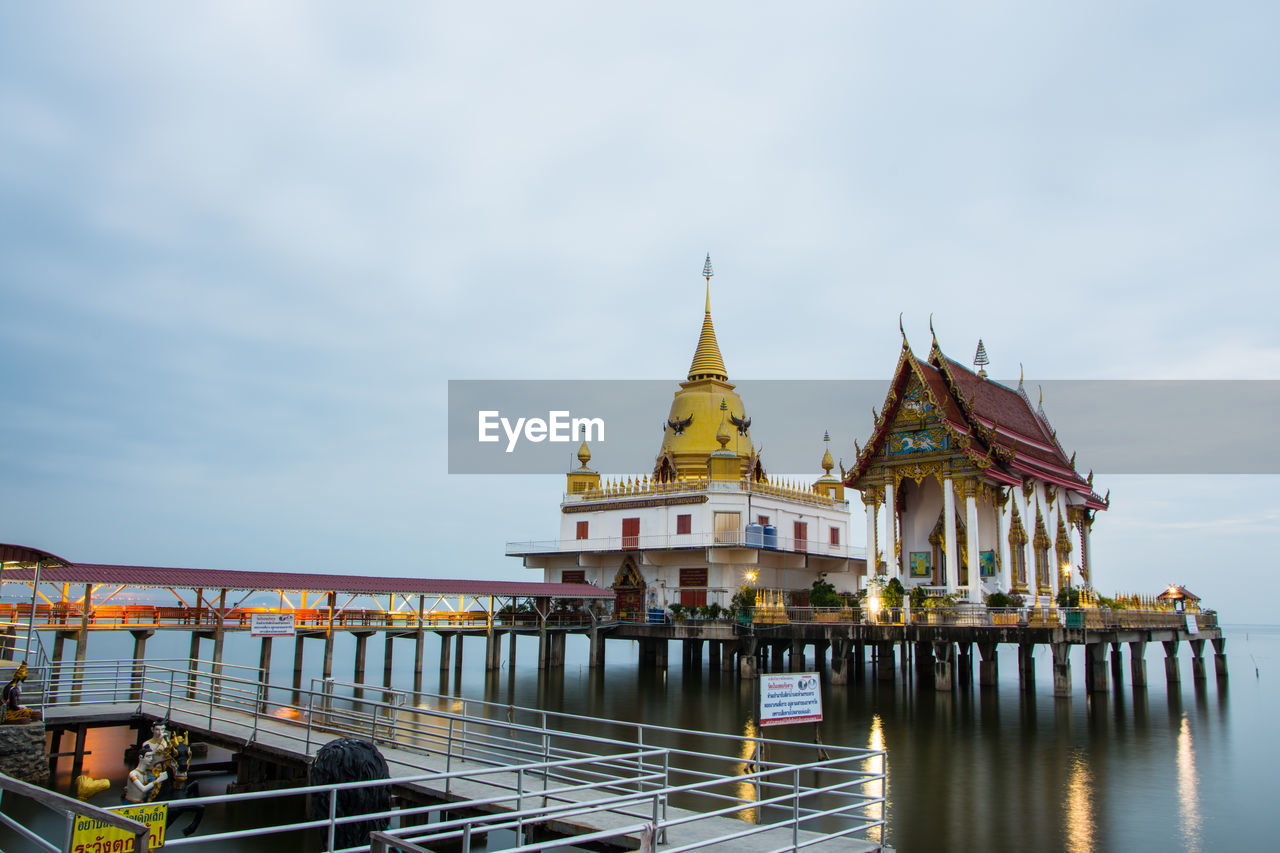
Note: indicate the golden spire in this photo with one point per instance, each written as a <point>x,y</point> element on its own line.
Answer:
<point>584,455</point>
<point>827,462</point>
<point>707,362</point>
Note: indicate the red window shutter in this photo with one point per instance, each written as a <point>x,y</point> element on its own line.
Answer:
<point>835,536</point>
<point>630,533</point>
<point>694,578</point>
<point>684,523</point>
<point>582,529</point>
<point>801,535</point>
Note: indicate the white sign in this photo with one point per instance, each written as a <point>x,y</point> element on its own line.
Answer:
<point>271,624</point>
<point>790,698</point>
<point>1192,627</point>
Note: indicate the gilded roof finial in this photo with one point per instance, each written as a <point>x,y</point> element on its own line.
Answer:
<point>707,362</point>
<point>827,462</point>
<point>900,329</point>
<point>1019,376</point>
<point>584,455</point>
<point>932,333</point>
<point>980,359</point>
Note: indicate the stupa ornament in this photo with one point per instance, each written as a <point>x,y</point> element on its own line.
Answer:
<point>980,359</point>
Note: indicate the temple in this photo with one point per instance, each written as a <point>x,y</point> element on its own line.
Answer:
<point>967,488</point>
<point>707,519</point>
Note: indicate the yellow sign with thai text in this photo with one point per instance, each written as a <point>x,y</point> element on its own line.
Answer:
<point>91,835</point>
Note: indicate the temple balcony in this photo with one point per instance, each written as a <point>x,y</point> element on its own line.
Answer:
<point>644,487</point>
<point>673,541</point>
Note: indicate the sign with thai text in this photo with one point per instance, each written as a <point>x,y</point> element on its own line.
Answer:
<point>271,624</point>
<point>91,835</point>
<point>790,698</point>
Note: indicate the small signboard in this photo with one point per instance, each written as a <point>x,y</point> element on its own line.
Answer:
<point>1192,627</point>
<point>271,624</point>
<point>790,698</point>
<point>91,834</point>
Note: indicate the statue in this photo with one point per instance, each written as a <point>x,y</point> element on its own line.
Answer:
<point>14,711</point>
<point>348,759</point>
<point>161,774</point>
<point>143,784</point>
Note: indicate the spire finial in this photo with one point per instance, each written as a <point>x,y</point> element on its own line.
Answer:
<point>932,333</point>
<point>980,359</point>
<point>827,462</point>
<point>707,362</point>
<point>584,455</point>
<point>707,272</point>
<point>900,329</point>
<point>722,434</point>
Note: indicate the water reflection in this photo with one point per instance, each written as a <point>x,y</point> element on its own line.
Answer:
<point>749,753</point>
<point>878,764</point>
<point>1079,810</point>
<point>1188,788</point>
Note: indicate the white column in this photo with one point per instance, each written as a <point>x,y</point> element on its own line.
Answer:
<point>971,519</point>
<point>1005,575</point>
<point>949,523</point>
<point>890,530</point>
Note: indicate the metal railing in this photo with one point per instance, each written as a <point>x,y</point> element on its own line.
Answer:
<point>653,541</point>
<point>70,809</point>
<point>568,762</point>
<point>969,615</point>
<point>70,616</point>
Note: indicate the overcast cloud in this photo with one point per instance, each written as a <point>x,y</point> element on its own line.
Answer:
<point>246,245</point>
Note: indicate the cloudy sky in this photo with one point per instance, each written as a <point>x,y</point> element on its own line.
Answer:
<point>246,245</point>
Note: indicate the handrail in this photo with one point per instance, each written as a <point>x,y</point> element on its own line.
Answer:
<point>70,809</point>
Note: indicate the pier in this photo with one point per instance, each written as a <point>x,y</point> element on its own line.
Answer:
<point>538,773</point>
<point>942,648</point>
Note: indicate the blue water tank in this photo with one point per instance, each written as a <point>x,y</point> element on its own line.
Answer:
<point>771,536</point>
<point>755,535</point>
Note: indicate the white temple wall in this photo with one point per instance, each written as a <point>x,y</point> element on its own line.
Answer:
<point>924,505</point>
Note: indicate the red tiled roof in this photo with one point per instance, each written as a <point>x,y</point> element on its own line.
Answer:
<point>161,577</point>
<point>967,402</point>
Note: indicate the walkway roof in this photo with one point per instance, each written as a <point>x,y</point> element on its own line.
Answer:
<point>19,566</point>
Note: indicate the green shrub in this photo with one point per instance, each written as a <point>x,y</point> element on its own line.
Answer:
<point>823,594</point>
<point>893,593</point>
<point>743,601</point>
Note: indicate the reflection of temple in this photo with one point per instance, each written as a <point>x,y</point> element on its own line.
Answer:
<point>979,492</point>
<point>707,519</point>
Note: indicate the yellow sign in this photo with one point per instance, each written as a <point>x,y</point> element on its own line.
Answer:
<point>93,836</point>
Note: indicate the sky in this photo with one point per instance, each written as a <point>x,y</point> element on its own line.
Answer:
<point>244,247</point>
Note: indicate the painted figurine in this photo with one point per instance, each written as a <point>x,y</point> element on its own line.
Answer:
<point>14,711</point>
<point>144,781</point>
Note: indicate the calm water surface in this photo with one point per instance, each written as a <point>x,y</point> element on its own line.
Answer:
<point>1192,768</point>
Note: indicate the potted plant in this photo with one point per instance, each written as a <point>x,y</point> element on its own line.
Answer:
<point>743,604</point>
<point>1068,599</point>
